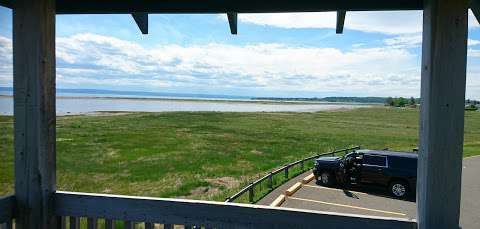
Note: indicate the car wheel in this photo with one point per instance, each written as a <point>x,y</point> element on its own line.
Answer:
<point>326,178</point>
<point>399,189</point>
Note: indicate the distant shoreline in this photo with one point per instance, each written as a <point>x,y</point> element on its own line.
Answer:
<point>212,100</point>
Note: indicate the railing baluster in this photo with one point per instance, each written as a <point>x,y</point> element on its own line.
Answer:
<point>109,224</point>
<point>270,180</point>
<point>92,223</point>
<point>302,166</point>
<point>61,222</point>
<point>128,224</point>
<point>286,171</point>
<point>187,227</point>
<point>167,226</point>
<point>74,222</point>
<point>6,225</point>
<point>148,225</point>
<point>9,224</point>
<point>250,193</point>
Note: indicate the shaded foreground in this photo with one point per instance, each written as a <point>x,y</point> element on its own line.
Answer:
<point>209,155</point>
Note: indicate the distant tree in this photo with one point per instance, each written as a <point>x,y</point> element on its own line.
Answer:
<point>389,101</point>
<point>468,101</point>
<point>402,102</point>
<point>412,101</point>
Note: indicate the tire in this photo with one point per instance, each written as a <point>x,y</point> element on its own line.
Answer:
<point>326,178</point>
<point>399,189</point>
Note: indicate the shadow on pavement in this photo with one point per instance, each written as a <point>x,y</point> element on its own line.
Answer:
<point>368,189</point>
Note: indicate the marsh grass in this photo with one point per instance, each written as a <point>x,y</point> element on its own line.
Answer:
<point>209,155</point>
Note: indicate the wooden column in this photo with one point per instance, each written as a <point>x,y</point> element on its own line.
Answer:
<point>442,113</point>
<point>34,112</point>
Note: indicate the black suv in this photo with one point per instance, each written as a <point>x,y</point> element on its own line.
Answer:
<point>395,170</point>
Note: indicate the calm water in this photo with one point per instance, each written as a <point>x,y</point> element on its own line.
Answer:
<point>71,106</point>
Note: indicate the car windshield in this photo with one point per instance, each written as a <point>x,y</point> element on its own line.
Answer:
<point>349,155</point>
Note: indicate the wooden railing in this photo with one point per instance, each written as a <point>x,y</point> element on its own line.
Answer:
<point>272,181</point>
<point>7,204</point>
<point>131,211</point>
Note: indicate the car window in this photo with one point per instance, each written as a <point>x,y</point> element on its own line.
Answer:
<point>375,160</point>
<point>402,163</point>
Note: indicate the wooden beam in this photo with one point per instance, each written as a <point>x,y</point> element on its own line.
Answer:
<point>475,7</point>
<point>212,214</point>
<point>444,57</point>
<point>6,3</point>
<point>34,112</point>
<point>7,204</point>
<point>216,6</point>
<point>340,21</point>
<point>232,21</point>
<point>141,19</point>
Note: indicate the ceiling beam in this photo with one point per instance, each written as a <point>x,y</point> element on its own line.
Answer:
<point>142,21</point>
<point>232,21</point>
<point>475,7</point>
<point>340,21</point>
<point>224,6</point>
<point>6,3</point>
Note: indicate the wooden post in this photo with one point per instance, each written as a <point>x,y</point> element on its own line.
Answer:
<point>62,223</point>
<point>75,222</point>
<point>128,225</point>
<point>442,113</point>
<point>34,112</point>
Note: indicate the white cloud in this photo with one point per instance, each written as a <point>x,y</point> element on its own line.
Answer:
<point>94,61</point>
<point>411,40</point>
<point>86,60</point>
<point>472,42</point>
<point>416,40</point>
<point>473,53</point>
<point>387,22</point>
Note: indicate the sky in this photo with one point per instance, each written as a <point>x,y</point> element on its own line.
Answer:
<point>279,55</point>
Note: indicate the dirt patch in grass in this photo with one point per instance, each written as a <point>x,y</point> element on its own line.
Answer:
<point>227,182</point>
<point>256,152</point>
<point>202,191</point>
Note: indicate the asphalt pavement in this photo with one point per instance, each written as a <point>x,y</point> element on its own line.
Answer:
<point>375,201</point>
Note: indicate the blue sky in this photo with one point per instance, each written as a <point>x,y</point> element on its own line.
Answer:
<point>289,55</point>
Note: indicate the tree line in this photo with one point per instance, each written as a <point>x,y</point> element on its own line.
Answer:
<point>401,102</point>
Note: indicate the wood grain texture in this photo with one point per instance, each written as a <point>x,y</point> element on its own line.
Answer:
<point>211,214</point>
<point>442,113</point>
<point>34,112</point>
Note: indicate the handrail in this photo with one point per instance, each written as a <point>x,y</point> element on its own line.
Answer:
<point>284,168</point>
<point>132,209</point>
<point>7,204</point>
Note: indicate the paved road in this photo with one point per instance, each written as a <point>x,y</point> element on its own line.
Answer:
<point>375,202</point>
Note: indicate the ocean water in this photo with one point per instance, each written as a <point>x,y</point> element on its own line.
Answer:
<point>87,105</point>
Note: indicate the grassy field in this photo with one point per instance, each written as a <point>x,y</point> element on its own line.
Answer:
<point>208,155</point>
